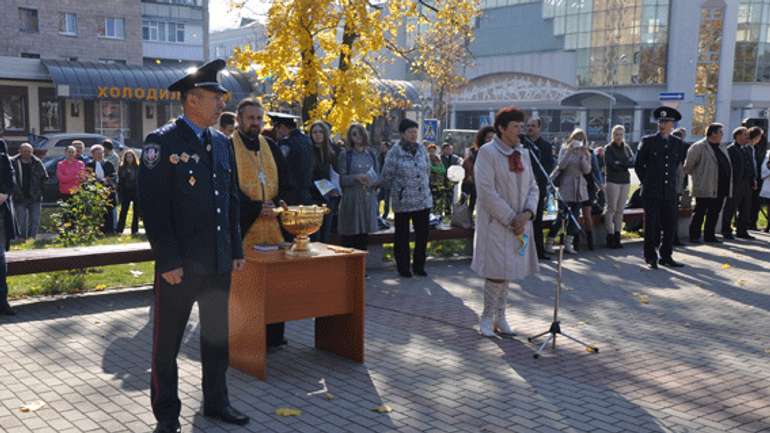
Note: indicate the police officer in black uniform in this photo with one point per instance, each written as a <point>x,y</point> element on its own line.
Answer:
<point>188,192</point>
<point>656,164</point>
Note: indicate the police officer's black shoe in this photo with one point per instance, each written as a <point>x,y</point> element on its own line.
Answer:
<point>227,414</point>
<point>671,263</point>
<point>168,428</point>
<point>745,236</point>
<point>711,240</point>
<point>653,264</point>
<point>728,236</point>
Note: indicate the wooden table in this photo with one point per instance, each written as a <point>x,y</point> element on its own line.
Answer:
<point>275,288</point>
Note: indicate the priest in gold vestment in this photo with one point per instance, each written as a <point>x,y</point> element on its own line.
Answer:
<point>261,168</point>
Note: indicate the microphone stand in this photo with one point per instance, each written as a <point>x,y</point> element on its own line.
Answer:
<point>555,328</point>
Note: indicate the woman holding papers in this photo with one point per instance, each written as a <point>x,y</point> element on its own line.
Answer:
<point>325,191</point>
<point>358,169</point>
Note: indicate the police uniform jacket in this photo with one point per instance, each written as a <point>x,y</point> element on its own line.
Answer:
<point>298,151</point>
<point>189,200</point>
<point>656,166</point>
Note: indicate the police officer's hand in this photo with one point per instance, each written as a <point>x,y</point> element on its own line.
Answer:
<point>267,209</point>
<point>238,264</point>
<point>173,276</point>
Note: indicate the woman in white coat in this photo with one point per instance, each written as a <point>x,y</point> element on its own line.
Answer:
<point>507,200</point>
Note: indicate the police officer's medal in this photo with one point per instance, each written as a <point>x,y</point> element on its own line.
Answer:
<point>173,158</point>
<point>195,157</point>
<point>208,148</point>
<point>192,181</point>
<point>184,157</point>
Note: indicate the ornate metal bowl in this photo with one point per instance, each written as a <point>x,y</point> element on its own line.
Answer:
<point>301,221</point>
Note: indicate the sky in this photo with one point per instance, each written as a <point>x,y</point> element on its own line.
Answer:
<point>220,17</point>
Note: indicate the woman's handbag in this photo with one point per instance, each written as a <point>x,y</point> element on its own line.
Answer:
<point>461,214</point>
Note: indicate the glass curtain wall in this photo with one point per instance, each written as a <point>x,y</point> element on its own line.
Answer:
<point>752,42</point>
<point>618,42</point>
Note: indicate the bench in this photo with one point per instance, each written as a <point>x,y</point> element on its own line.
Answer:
<point>61,259</point>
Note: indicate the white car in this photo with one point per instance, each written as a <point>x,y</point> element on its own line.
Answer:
<point>53,146</point>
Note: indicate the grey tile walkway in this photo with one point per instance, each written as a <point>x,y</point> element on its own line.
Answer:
<point>695,358</point>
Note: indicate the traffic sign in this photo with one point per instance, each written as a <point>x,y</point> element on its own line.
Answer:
<point>671,96</point>
<point>430,130</point>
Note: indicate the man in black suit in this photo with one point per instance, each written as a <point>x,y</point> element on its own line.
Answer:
<point>739,205</point>
<point>656,166</point>
<point>543,151</point>
<point>105,173</point>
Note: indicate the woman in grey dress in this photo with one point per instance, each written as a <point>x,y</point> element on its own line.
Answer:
<point>357,165</point>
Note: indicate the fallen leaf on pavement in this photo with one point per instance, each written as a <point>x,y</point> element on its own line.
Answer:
<point>100,287</point>
<point>726,266</point>
<point>329,396</point>
<point>741,282</point>
<point>287,411</point>
<point>383,409</point>
<point>31,407</point>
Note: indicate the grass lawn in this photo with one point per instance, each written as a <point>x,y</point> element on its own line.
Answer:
<point>94,279</point>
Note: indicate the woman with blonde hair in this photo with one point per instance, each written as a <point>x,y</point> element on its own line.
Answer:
<point>618,159</point>
<point>573,164</point>
<point>357,166</point>
<point>127,174</point>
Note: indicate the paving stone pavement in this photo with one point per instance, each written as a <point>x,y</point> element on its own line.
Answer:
<point>681,351</point>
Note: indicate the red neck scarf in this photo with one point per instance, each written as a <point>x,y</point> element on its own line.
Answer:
<point>514,162</point>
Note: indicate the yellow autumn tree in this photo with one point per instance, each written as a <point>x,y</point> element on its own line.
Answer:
<point>325,55</point>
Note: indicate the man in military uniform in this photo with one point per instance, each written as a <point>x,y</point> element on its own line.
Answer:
<point>188,191</point>
<point>656,165</point>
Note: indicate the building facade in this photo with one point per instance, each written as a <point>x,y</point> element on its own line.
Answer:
<point>596,63</point>
<point>95,66</point>
<point>250,33</point>
<point>174,31</point>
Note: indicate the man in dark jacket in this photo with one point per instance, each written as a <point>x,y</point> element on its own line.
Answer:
<point>656,166</point>
<point>298,152</point>
<point>739,205</point>
<point>7,223</point>
<point>542,150</point>
<point>30,175</point>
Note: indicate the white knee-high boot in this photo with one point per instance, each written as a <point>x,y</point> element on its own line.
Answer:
<point>500,324</point>
<point>486,327</point>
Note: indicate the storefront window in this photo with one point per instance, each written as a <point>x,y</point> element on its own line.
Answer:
<point>13,109</point>
<point>112,119</point>
<point>51,111</point>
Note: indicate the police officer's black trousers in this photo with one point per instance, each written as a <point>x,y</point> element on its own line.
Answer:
<point>172,310</point>
<point>659,215</point>
<point>738,206</point>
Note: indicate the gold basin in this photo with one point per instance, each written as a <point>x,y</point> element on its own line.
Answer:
<point>301,221</point>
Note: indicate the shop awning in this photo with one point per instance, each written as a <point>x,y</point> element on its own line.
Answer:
<point>402,90</point>
<point>87,80</point>
<point>597,99</point>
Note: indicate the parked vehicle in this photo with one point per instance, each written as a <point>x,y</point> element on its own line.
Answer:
<point>50,146</point>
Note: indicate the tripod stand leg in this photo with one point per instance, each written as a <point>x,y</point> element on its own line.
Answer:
<point>535,337</point>
<point>587,346</point>
<point>542,346</point>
